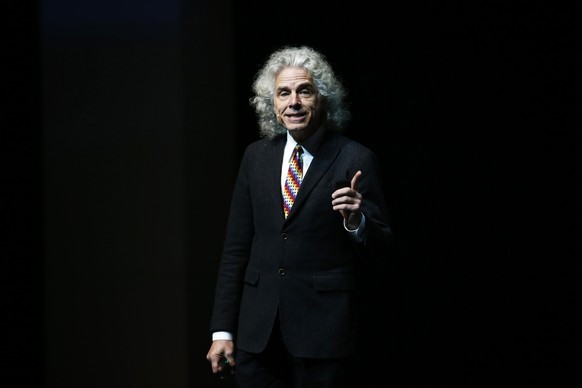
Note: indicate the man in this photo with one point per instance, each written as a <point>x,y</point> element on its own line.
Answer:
<point>301,225</point>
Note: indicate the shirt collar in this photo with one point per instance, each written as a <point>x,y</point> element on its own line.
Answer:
<point>310,145</point>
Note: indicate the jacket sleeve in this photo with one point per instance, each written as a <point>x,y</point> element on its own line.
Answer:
<point>235,255</point>
<point>378,235</point>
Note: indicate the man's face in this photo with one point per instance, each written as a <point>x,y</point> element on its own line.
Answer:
<point>296,102</point>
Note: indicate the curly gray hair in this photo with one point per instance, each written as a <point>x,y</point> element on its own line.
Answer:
<point>328,85</point>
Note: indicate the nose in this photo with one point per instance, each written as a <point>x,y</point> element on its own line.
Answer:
<point>295,101</point>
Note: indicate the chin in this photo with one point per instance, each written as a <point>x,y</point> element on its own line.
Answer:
<point>296,127</point>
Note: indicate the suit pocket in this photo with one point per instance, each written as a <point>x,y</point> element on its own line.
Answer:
<point>252,276</point>
<point>334,281</point>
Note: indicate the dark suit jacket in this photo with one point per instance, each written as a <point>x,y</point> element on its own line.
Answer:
<point>302,268</point>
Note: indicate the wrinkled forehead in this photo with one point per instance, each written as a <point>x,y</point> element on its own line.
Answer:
<point>292,76</point>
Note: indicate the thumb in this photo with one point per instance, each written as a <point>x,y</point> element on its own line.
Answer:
<point>356,180</point>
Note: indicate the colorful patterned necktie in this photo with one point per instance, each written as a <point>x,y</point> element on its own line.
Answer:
<point>293,179</point>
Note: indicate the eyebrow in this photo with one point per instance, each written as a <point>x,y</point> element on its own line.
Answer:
<point>303,84</point>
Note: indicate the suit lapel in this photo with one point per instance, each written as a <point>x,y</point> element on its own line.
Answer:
<point>272,164</point>
<point>322,161</point>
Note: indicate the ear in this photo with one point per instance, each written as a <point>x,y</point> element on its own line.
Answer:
<point>278,117</point>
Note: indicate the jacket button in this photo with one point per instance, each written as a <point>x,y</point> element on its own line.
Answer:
<point>281,271</point>
<point>284,236</point>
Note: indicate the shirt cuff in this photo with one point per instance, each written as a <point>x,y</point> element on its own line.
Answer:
<point>357,234</point>
<point>222,335</point>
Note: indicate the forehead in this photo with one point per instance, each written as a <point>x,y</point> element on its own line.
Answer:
<point>293,75</point>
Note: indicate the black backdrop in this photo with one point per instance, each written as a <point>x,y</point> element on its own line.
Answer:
<point>125,124</point>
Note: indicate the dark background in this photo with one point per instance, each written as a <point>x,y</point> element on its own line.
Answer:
<point>124,125</point>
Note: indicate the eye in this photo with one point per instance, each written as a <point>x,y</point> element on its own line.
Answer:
<point>305,92</point>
